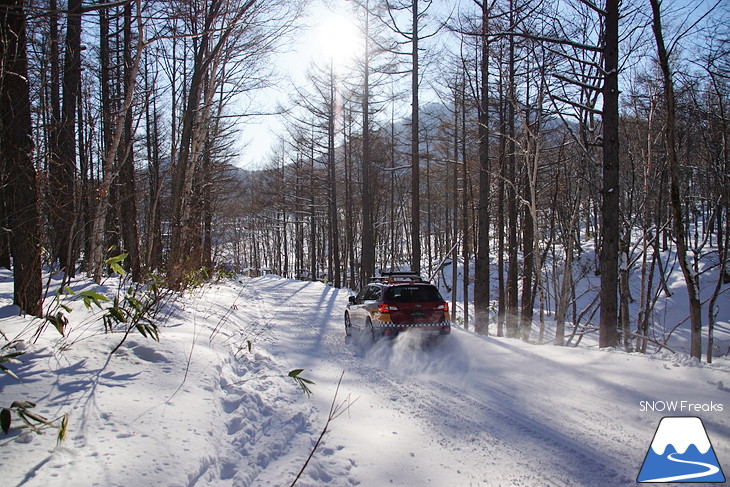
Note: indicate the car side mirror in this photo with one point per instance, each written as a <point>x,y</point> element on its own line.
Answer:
<point>352,299</point>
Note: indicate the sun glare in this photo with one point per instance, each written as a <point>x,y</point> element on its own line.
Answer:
<point>338,40</point>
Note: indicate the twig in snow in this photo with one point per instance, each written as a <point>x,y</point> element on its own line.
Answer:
<point>336,410</point>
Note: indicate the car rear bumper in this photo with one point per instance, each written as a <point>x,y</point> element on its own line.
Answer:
<point>388,328</point>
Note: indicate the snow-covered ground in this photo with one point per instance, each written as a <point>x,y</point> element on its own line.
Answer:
<point>211,403</point>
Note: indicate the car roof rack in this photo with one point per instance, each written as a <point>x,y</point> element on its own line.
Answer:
<point>397,276</point>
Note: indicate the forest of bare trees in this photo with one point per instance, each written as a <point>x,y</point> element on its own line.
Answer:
<point>530,145</point>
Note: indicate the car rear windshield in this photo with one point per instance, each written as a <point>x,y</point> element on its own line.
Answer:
<point>401,294</point>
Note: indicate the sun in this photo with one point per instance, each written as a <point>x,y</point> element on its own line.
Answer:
<point>338,40</point>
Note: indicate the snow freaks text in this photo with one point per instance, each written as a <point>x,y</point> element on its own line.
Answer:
<point>680,407</point>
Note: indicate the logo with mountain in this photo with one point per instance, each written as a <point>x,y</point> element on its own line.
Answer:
<point>681,452</point>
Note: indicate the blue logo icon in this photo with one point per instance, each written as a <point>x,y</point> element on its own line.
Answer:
<point>681,452</point>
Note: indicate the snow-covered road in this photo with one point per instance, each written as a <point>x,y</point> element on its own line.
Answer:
<point>476,410</point>
<point>201,408</point>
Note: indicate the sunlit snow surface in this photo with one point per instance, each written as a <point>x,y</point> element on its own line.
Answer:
<point>201,409</point>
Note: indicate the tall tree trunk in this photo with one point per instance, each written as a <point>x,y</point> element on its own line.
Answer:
<point>313,275</point>
<point>84,200</point>
<point>429,216</point>
<point>106,199</point>
<point>4,219</point>
<point>415,155</point>
<point>154,212</point>
<point>184,168</point>
<point>367,269</point>
<point>481,270</point>
<point>455,212</point>
<point>528,268</point>
<point>299,224</point>
<point>624,292</point>
<point>63,166</point>
<point>502,202</point>
<point>110,154</point>
<point>530,229</point>
<point>349,210</point>
<point>16,157</point>
<point>690,276</point>
<point>566,285</point>
<point>334,237</point>
<point>511,312</point>
<point>647,275</point>
<point>206,203</point>
<point>608,335</point>
<point>54,123</point>
<point>55,57</point>
<point>564,297</point>
<point>465,197</point>
<point>127,203</point>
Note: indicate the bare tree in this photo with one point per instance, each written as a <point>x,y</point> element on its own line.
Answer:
<point>611,169</point>
<point>413,35</point>
<point>111,171</point>
<point>251,28</point>
<point>690,276</point>
<point>482,266</point>
<point>62,166</point>
<point>367,252</point>
<point>16,151</point>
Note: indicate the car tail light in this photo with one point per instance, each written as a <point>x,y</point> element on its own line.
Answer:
<point>387,308</point>
<point>443,307</point>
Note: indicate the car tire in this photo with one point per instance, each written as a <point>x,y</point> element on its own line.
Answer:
<point>348,325</point>
<point>374,335</point>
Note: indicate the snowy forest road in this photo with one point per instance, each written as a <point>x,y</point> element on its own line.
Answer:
<point>473,410</point>
<point>213,403</point>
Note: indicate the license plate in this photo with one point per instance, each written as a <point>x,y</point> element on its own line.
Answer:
<point>417,314</point>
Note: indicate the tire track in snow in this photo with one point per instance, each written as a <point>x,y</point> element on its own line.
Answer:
<point>482,433</point>
<point>535,449</point>
<point>445,415</point>
<point>544,448</point>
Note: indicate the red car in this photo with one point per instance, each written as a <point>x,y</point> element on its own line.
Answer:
<point>398,302</point>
